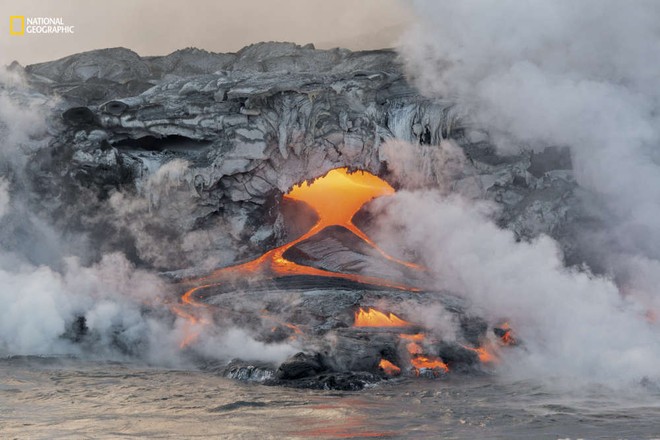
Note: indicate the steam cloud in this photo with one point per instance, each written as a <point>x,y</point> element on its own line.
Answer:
<point>538,74</point>
<point>45,291</point>
<point>4,197</point>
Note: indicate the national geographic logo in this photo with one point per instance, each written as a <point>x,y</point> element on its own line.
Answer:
<point>21,25</point>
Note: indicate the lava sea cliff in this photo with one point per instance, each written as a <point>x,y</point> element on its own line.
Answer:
<point>181,163</point>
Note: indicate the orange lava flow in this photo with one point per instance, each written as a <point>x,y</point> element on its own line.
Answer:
<point>484,355</point>
<point>192,325</point>
<point>414,348</point>
<point>389,368</point>
<point>339,195</point>
<point>507,338</point>
<point>417,337</point>
<point>295,328</point>
<point>418,360</point>
<point>374,318</point>
<point>336,198</point>
<point>428,362</point>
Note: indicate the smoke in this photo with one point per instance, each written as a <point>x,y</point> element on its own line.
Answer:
<point>236,342</point>
<point>417,166</point>
<point>54,304</point>
<point>572,322</point>
<point>4,197</point>
<point>126,315</point>
<point>22,121</point>
<point>558,74</point>
<point>155,216</point>
<point>41,303</point>
<point>539,74</point>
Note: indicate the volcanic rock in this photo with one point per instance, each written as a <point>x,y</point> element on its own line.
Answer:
<point>342,381</point>
<point>474,328</point>
<point>457,356</point>
<point>181,161</point>
<point>300,371</point>
<point>245,372</point>
<point>299,366</point>
<point>245,127</point>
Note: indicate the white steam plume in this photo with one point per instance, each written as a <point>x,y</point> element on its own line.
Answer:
<point>561,73</point>
<point>573,323</point>
<point>41,304</point>
<point>109,309</point>
<point>558,73</point>
<point>4,197</point>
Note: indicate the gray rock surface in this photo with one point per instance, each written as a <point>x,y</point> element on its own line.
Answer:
<point>237,131</point>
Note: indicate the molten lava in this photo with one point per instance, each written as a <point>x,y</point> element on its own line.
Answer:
<point>414,348</point>
<point>389,368</point>
<point>485,356</point>
<point>417,357</point>
<point>335,198</point>
<point>428,362</point>
<point>296,330</point>
<point>414,343</point>
<point>374,318</point>
<point>338,196</point>
<point>505,334</point>
<point>418,360</point>
<point>192,325</point>
<point>417,337</point>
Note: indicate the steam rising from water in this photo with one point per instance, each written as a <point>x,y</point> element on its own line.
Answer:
<point>572,322</point>
<point>43,291</point>
<point>4,197</point>
<point>539,74</point>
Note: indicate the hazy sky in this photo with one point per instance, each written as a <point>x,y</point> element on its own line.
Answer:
<point>158,27</point>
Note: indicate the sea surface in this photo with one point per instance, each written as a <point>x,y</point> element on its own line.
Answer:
<point>64,398</point>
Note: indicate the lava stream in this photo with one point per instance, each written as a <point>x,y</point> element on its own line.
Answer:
<point>418,359</point>
<point>505,334</point>
<point>335,198</point>
<point>428,362</point>
<point>389,368</point>
<point>485,355</point>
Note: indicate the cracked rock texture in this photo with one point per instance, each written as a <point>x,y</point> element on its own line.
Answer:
<point>182,160</point>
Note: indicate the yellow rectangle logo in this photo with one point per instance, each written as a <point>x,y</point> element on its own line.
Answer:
<point>20,30</point>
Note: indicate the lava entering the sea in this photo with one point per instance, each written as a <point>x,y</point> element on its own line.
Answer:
<point>389,368</point>
<point>505,334</point>
<point>417,357</point>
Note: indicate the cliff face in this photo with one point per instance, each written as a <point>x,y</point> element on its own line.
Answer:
<point>182,160</point>
<point>181,163</point>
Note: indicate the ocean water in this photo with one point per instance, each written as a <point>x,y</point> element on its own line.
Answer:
<point>64,398</point>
